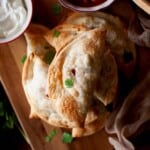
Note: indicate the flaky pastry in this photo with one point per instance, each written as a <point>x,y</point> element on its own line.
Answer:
<point>71,71</point>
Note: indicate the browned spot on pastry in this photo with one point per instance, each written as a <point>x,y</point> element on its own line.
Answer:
<point>70,109</point>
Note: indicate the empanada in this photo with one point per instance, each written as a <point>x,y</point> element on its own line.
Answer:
<point>71,87</point>
<point>63,34</point>
<point>80,63</point>
<point>117,39</point>
<point>34,77</point>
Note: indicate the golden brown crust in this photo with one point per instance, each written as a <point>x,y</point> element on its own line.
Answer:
<point>117,38</point>
<point>69,107</point>
<point>92,46</point>
<point>36,42</point>
<point>63,34</point>
<point>96,125</point>
<point>95,121</point>
<point>32,84</point>
<point>37,30</point>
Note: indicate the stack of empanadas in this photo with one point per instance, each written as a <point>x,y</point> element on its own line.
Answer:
<point>71,71</point>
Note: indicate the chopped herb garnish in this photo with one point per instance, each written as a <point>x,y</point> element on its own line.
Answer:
<point>56,9</point>
<point>67,137</point>
<point>10,121</point>
<point>69,83</point>
<point>49,56</point>
<point>23,59</point>
<point>51,135</point>
<point>56,33</point>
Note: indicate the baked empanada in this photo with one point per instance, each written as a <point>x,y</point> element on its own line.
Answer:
<point>73,74</point>
<point>116,37</point>
<point>55,103</point>
<point>34,76</point>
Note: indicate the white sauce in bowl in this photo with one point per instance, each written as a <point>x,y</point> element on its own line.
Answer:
<point>13,15</point>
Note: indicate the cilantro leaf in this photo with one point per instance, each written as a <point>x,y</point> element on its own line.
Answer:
<point>23,59</point>
<point>49,57</point>
<point>10,120</point>
<point>67,138</point>
<point>56,33</point>
<point>69,83</point>
<point>56,9</point>
<point>51,135</point>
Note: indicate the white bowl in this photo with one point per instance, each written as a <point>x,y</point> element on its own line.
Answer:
<point>4,37</point>
<point>70,5</point>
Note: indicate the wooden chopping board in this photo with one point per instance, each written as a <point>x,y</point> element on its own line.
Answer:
<point>10,76</point>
